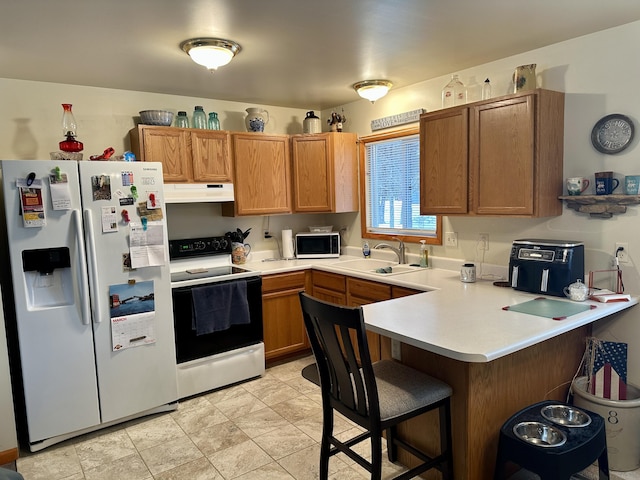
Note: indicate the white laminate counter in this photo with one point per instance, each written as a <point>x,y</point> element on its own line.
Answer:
<point>462,321</point>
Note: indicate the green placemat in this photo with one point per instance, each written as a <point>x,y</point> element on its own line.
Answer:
<point>543,307</point>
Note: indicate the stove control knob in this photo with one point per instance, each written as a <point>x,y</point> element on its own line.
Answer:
<point>215,244</point>
<point>223,243</point>
<point>199,245</point>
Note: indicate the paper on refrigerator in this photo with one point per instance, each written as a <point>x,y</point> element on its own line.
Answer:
<point>132,312</point>
<point>147,245</point>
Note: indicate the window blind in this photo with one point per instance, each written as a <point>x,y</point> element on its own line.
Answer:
<point>393,188</point>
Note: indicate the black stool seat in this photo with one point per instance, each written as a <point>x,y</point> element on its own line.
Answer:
<point>584,446</point>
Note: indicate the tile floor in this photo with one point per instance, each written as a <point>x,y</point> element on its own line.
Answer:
<point>264,429</point>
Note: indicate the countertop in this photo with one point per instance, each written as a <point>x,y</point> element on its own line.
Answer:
<point>463,321</point>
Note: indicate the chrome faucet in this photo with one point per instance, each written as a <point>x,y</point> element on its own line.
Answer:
<point>398,251</point>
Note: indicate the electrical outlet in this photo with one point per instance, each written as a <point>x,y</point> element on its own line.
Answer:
<point>483,241</point>
<point>450,239</point>
<point>265,234</point>
<point>623,255</point>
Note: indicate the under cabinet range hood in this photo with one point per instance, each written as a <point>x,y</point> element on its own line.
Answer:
<point>198,192</point>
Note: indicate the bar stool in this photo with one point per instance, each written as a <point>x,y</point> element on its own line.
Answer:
<point>583,446</point>
<point>376,396</point>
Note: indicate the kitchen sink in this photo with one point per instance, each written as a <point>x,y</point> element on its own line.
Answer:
<point>379,267</point>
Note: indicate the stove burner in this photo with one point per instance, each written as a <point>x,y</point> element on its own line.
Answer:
<point>211,272</point>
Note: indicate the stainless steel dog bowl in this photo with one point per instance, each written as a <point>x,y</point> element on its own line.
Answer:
<point>565,415</point>
<point>539,434</point>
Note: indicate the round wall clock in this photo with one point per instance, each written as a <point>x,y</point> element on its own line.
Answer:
<point>612,134</point>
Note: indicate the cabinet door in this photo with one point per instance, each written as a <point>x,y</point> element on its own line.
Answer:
<point>171,146</point>
<point>329,286</point>
<point>444,162</point>
<point>262,174</point>
<point>325,172</point>
<point>284,331</point>
<point>502,157</point>
<point>362,292</point>
<point>211,156</point>
<point>312,174</point>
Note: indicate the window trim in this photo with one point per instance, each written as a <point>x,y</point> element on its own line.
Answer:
<point>362,152</point>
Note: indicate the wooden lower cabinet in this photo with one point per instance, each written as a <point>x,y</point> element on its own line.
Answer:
<point>353,292</point>
<point>397,292</point>
<point>362,292</point>
<point>329,287</point>
<point>284,331</point>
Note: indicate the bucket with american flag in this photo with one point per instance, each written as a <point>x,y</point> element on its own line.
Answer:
<point>606,365</point>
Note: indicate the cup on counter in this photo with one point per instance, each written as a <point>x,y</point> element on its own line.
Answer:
<point>631,184</point>
<point>605,183</point>
<point>577,185</point>
<point>468,273</point>
<point>239,252</point>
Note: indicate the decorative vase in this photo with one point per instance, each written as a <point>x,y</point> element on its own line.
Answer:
<point>524,78</point>
<point>69,130</point>
<point>256,119</point>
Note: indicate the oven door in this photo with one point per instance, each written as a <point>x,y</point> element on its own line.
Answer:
<point>190,346</point>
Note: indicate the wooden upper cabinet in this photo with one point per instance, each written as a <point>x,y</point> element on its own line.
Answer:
<point>211,152</point>
<point>444,162</point>
<point>498,157</point>
<point>262,174</point>
<point>325,172</point>
<point>502,156</point>
<point>187,155</point>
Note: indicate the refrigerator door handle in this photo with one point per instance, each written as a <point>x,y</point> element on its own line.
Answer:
<point>84,281</point>
<point>93,262</point>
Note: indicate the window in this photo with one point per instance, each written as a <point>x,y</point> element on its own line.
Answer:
<point>390,180</point>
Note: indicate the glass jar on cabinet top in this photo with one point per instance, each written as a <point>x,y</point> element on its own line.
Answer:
<point>182,120</point>
<point>454,93</point>
<point>199,118</point>
<point>213,123</point>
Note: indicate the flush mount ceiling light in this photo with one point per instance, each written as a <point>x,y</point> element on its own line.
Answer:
<point>210,52</point>
<point>372,90</point>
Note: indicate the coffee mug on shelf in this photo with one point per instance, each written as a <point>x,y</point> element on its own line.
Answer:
<point>605,183</point>
<point>631,184</point>
<point>577,185</point>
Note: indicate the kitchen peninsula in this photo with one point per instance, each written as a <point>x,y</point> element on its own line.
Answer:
<point>496,361</point>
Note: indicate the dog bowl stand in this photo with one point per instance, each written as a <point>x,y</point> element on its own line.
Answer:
<point>584,446</point>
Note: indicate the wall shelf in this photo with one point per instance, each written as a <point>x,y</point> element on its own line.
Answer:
<point>600,206</point>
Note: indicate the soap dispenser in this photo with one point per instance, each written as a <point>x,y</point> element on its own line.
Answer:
<point>424,254</point>
<point>366,251</point>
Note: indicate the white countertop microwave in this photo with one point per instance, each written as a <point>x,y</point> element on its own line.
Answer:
<point>318,245</point>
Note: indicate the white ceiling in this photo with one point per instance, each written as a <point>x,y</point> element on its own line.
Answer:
<point>295,53</point>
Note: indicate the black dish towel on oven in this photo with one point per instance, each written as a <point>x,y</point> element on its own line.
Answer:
<point>218,306</point>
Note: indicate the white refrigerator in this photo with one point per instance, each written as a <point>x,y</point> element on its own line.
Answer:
<point>92,309</point>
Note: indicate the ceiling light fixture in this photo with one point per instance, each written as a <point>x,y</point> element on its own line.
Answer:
<point>210,52</point>
<point>372,90</point>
